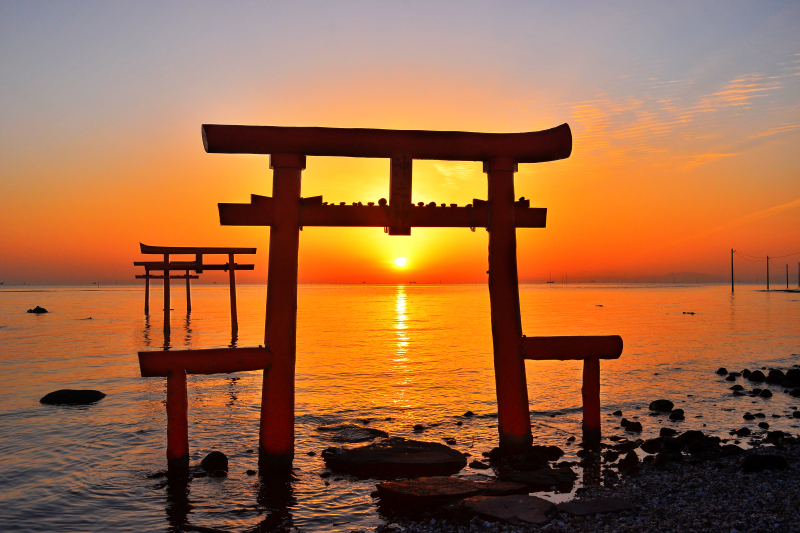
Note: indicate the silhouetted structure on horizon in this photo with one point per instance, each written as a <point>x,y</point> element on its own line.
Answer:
<point>286,212</point>
<point>166,266</point>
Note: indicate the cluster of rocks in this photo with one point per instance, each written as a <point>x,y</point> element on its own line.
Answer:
<point>38,310</point>
<point>788,380</point>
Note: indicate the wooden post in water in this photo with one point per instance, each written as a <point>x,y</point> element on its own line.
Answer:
<point>732,252</point>
<point>146,291</point>
<point>767,272</point>
<point>166,292</point>
<point>188,294</point>
<point>177,422</point>
<point>591,400</point>
<point>232,278</point>
<point>276,438</point>
<point>514,420</point>
<point>787,276</point>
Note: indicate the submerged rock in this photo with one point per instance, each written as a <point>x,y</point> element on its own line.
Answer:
<point>661,405</point>
<point>38,310</point>
<point>214,462</point>
<point>775,376</point>
<point>440,490</point>
<point>766,393</point>
<point>651,445</point>
<point>517,510</point>
<point>543,479</point>
<point>756,377</point>
<point>72,397</point>
<point>396,457</point>
<point>351,433</point>
<point>677,414</point>
<point>722,371</point>
<point>630,425</point>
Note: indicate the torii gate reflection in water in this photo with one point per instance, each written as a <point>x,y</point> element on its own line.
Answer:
<point>287,212</point>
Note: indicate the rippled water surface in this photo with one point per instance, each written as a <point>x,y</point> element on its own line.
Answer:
<point>395,355</point>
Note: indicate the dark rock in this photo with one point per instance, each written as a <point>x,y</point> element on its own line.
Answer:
<point>214,461</point>
<point>766,393</point>
<point>552,453</point>
<point>396,457</point>
<point>738,393</point>
<point>759,463</point>
<point>667,432</point>
<point>450,440</point>
<point>737,387</point>
<point>418,428</point>
<point>731,449</point>
<point>746,373</point>
<point>310,454</point>
<point>351,433</point>
<point>437,491</point>
<point>756,377</point>
<point>731,377</point>
<point>661,405</point>
<point>628,461</point>
<point>775,376</point>
<point>478,465</point>
<point>617,413</point>
<point>459,423</point>
<point>651,445</point>
<point>763,425</point>
<point>672,444</point>
<point>251,472</point>
<point>748,416</point>
<point>543,479</point>
<point>777,436</point>
<point>796,414</point>
<point>468,414</point>
<point>631,426</point>
<point>610,456</point>
<point>571,439</point>
<point>38,310</point>
<point>722,371</point>
<point>72,397</point>
<point>677,414</point>
<point>598,506</point>
<point>219,473</point>
<point>496,454</point>
<point>795,393</point>
<point>742,432</point>
<point>516,510</point>
<point>793,375</point>
<point>760,415</point>
<point>625,446</point>
<point>690,436</point>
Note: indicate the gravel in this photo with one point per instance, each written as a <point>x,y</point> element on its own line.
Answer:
<point>692,496</point>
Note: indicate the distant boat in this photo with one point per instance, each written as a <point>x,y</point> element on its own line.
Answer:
<point>551,279</point>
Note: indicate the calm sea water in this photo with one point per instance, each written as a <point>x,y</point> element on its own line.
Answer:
<point>396,355</point>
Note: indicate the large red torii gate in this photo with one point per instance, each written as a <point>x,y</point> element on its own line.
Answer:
<point>287,212</point>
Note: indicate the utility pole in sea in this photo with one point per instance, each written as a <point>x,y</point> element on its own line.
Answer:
<point>732,252</point>
<point>767,272</point>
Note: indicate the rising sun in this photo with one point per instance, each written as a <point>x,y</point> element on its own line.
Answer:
<point>400,261</point>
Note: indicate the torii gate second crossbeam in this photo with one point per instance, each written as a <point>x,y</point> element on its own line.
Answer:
<point>287,212</point>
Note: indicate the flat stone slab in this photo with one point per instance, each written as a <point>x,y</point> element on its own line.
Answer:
<point>351,433</point>
<point>395,457</point>
<point>518,510</point>
<point>544,479</point>
<point>72,397</point>
<point>441,490</point>
<point>598,506</point>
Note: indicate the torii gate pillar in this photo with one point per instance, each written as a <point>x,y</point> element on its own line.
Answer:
<point>276,438</point>
<point>509,367</point>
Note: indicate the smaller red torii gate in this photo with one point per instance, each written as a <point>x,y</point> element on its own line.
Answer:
<point>166,266</point>
<point>286,212</point>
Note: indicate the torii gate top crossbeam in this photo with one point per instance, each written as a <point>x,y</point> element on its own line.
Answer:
<point>531,147</point>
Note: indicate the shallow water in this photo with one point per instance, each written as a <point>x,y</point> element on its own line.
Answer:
<point>396,355</point>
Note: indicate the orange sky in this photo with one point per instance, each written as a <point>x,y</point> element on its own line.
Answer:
<point>686,123</point>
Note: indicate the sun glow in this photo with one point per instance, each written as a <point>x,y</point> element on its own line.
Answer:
<point>400,261</point>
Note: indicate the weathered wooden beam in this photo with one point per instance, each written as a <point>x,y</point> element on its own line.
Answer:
<point>186,265</point>
<point>531,147</point>
<point>208,361</point>
<point>152,276</point>
<point>260,212</point>
<point>193,250</point>
<point>400,196</point>
<point>572,348</point>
